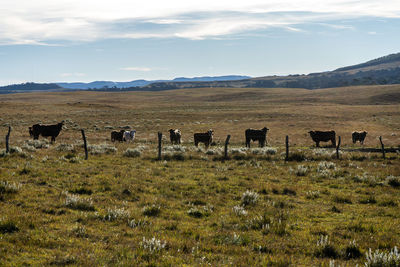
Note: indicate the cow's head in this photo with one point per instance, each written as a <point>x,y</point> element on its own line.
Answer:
<point>265,129</point>
<point>210,132</point>
<point>171,131</point>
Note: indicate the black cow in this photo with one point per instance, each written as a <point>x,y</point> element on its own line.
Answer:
<point>46,130</point>
<point>117,136</point>
<point>175,136</point>
<point>205,138</point>
<point>359,136</point>
<point>321,136</point>
<point>30,132</point>
<point>256,135</point>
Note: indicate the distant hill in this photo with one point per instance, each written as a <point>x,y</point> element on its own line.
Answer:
<point>141,83</point>
<point>380,71</point>
<point>27,87</point>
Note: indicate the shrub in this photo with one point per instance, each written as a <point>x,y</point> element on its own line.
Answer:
<point>301,170</point>
<point>297,156</point>
<point>195,212</point>
<point>288,191</point>
<point>101,149</point>
<point>312,194</point>
<point>342,199</point>
<point>132,153</point>
<point>239,210</point>
<point>15,150</point>
<point>249,198</point>
<point>43,143</point>
<point>382,259</point>
<point>153,245</point>
<point>8,227</point>
<point>263,151</point>
<point>65,147</point>
<point>325,249</point>
<point>393,181</point>
<point>152,210</point>
<point>76,202</point>
<point>352,251</point>
<point>116,214</point>
<point>137,223</point>
<point>9,188</point>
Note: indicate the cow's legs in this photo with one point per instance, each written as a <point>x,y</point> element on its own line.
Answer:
<point>317,143</point>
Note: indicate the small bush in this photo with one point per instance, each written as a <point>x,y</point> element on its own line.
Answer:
<point>7,227</point>
<point>76,202</point>
<point>325,249</point>
<point>352,251</point>
<point>153,245</point>
<point>249,198</point>
<point>152,210</point>
<point>301,170</point>
<point>312,194</point>
<point>382,259</point>
<point>368,200</point>
<point>101,149</point>
<point>297,156</point>
<point>288,191</point>
<point>116,214</point>
<point>195,212</point>
<point>9,188</point>
<point>239,210</point>
<point>81,191</point>
<point>132,153</point>
<point>393,181</point>
<point>65,147</point>
<point>342,199</point>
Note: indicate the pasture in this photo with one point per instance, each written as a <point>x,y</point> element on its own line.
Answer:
<point>123,207</point>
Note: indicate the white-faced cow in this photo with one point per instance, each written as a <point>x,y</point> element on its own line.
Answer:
<point>359,136</point>
<point>129,136</point>
<point>46,131</point>
<point>323,136</point>
<point>175,136</point>
<point>256,135</point>
<point>205,138</point>
<point>117,136</point>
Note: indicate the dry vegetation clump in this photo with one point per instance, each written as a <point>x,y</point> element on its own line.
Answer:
<point>101,149</point>
<point>76,202</point>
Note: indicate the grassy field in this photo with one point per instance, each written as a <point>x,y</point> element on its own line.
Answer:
<point>123,207</point>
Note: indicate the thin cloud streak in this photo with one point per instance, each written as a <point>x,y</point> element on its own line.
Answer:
<point>136,69</point>
<point>44,22</point>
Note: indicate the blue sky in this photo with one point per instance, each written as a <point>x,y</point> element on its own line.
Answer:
<point>124,40</point>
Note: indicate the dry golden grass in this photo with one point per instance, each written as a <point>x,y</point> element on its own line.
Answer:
<point>58,209</point>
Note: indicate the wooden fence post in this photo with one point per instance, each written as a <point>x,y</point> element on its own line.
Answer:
<point>337,148</point>
<point>159,145</point>
<point>383,147</point>
<point>7,140</point>
<point>287,148</point>
<point>85,144</point>
<point>226,146</point>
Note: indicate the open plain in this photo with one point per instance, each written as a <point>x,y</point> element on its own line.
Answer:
<point>124,207</point>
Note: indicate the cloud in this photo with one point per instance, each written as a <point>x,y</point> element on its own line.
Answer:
<point>46,22</point>
<point>136,69</point>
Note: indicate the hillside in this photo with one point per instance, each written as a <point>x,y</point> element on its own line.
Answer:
<point>25,87</point>
<point>381,71</point>
<point>141,83</point>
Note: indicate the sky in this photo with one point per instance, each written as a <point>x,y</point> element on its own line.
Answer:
<point>125,40</point>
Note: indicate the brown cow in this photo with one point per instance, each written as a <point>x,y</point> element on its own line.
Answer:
<point>256,135</point>
<point>321,136</point>
<point>205,138</point>
<point>359,136</point>
<point>117,136</point>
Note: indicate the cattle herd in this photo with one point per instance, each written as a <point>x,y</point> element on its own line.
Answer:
<point>206,138</point>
